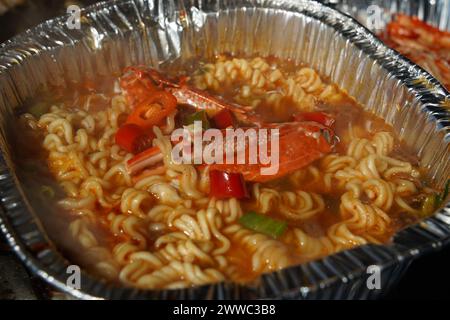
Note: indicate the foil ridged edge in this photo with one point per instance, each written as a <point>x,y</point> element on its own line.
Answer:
<point>338,276</point>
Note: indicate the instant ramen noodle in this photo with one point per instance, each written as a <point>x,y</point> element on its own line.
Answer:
<point>99,159</point>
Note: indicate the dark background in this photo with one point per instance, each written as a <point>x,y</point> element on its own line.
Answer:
<point>427,278</point>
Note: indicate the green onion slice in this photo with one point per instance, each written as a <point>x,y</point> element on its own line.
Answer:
<point>263,224</point>
<point>198,116</point>
<point>429,204</point>
<point>441,197</point>
<point>38,109</point>
<point>435,200</point>
<point>47,191</point>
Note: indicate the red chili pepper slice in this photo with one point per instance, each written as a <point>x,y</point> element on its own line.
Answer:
<point>223,119</point>
<point>225,185</point>
<point>153,110</point>
<point>132,138</point>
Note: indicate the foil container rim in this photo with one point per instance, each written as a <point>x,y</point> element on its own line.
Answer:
<point>435,230</point>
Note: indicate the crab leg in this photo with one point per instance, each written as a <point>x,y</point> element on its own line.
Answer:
<point>204,101</point>
<point>147,158</point>
<point>139,83</point>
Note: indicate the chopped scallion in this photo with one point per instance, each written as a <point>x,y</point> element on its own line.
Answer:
<point>263,224</point>
<point>38,109</point>
<point>441,197</point>
<point>198,116</point>
<point>47,191</point>
<point>434,200</point>
<point>428,205</point>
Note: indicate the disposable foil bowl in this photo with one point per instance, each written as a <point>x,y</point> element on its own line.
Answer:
<point>126,32</point>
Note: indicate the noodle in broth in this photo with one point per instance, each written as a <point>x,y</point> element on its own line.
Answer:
<point>165,231</point>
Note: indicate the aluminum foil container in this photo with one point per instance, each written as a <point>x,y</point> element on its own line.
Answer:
<point>169,33</point>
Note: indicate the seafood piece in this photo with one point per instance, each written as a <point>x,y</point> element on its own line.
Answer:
<point>140,83</point>
<point>300,143</point>
<point>422,43</point>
